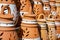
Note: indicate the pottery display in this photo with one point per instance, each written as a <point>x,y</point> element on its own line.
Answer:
<point>38,7</point>
<point>29,28</point>
<point>43,27</point>
<point>8,13</point>
<point>51,27</point>
<point>25,7</point>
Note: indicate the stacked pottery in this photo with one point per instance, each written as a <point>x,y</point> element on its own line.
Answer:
<point>38,7</point>
<point>25,7</point>
<point>57,23</point>
<point>46,7</point>
<point>29,28</point>
<point>53,7</point>
<point>43,27</point>
<point>51,27</point>
<point>8,20</point>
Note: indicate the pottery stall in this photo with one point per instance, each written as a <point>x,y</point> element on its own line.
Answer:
<point>51,27</point>
<point>29,28</point>
<point>43,27</point>
<point>8,20</point>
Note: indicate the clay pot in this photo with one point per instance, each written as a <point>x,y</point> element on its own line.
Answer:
<point>25,7</point>
<point>8,13</point>
<point>37,8</point>
<point>51,27</point>
<point>8,34</point>
<point>57,23</point>
<point>42,23</point>
<point>29,28</point>
<point>46,9</point>
<point>53,7</point>
<point>58,8</point>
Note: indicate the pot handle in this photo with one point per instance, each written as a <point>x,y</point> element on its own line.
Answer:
<point>51,16</point>
<point>3,15</point>
<point>41,16</point>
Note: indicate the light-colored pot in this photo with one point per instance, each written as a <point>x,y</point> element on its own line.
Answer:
<point>51,27</point>
<point>42,23</point>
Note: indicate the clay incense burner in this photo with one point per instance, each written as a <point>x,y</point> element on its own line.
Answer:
<point>42,23</point>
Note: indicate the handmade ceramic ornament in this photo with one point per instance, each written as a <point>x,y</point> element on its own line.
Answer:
<point>8,34</point>
<point>57,23</point>
<point>8,13</point>
<point>29,28</point>
<point>25,7</point>
<point>38,7</point>
<point>53,8</point>
<point>51,27</point>
<point>43,27</point>
<point>46,8</point>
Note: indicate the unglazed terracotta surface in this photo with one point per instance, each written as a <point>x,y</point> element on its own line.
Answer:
<point>37,8</point>
<point>42,24</point>
<point>8,34</point>
<point>25,7</point>
<point>8,13</point>
<point>51,27</point>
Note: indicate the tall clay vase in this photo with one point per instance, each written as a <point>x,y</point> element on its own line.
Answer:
<point>46,8</point>
<point>8,33</point>
<point>29,28</point>
<point>53,7</point>
<point>38,7</point>
<point>42,23</point>
<point>25,7</point>
<point>8,13</point>
<point>57,23</point>
<point>58,8</point>
<point>51,27</point>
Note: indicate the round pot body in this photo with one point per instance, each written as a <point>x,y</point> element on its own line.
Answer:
<point>8,34</point>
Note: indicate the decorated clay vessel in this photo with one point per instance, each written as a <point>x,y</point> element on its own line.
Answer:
<point>25,7</point>
<point>46,8</point>
<point>29,28</point>
<point>42,23</point>
<point>8,13</point>
<point>51,27</point>
<point>57,23</point>
<point>38,7</point>
<point>8,34</point>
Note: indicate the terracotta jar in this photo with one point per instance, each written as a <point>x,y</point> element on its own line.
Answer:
<point>8,13</point>
<point>46,8</point>
<point>57,23</point>
<point>53,7</point>
<point>58,8</point>
<point>29,28</point>
<point>38,7</point>
<point>51,27</point>
<point>8,33</point>
<point>25,7</point>
<point>42,23</point>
